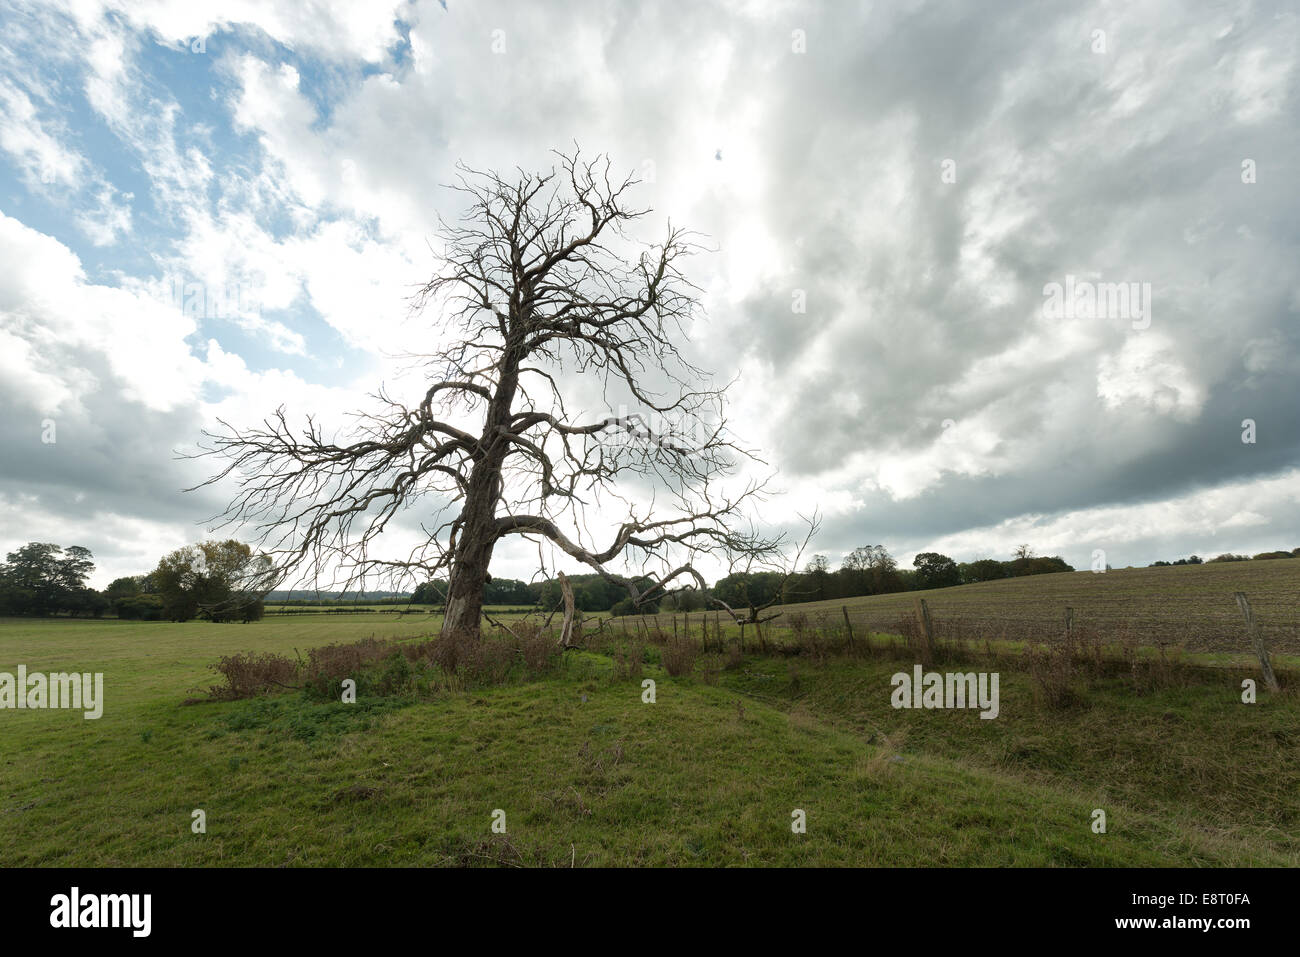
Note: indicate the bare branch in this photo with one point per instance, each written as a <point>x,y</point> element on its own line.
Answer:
<point>539,282</point>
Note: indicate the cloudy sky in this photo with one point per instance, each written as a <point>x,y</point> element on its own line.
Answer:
<point>891,190</point>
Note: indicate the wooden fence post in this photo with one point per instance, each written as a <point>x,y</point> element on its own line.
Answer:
<point>1069,623</point>
<point>1257,641</point>
<point>923,613</point>
<point>566,629</point>
<point>848,625</point>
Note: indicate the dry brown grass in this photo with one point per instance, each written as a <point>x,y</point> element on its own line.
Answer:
<point>885,758</point>
<point>628,661</point>
<point>1050,665</point>
<point>539,649</point>
<point>678,657</point>
<point>248,675</point>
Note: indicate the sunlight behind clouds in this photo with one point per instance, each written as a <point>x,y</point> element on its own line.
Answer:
<point>300,156</point>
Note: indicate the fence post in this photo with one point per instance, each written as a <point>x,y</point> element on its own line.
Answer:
<point>1256,640</point>
<point>566,627</point>
<point>848,625</point>
<point>1069,623</point>
<point>923,613</point>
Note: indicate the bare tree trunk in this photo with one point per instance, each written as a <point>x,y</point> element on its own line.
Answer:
<point>465,594</point>
<point>478,532</point>
<point>469,570</point>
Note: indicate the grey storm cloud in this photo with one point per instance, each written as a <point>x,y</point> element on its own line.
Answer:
<point>924,298</point>
<point>1157,198</point>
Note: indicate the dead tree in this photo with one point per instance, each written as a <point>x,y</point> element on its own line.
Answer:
<point>537,283</point>
<point>745,564</point>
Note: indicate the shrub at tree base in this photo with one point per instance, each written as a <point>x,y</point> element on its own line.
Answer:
<point>386,668</point>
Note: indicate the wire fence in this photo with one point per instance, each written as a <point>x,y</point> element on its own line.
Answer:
<point>1202,626</point>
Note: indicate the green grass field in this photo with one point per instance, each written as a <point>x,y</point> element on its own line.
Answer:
<point>588,774</point>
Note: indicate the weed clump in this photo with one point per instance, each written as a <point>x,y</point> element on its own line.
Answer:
<point>250,674</point>
<point>628,661</point>
<point>1050,666</point>
<point>678,657</point>
<point>538,649</point>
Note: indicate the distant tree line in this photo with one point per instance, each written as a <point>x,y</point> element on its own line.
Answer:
<point>1229,557</point>
<point>869,570</point>
<point>341,603</point>
<point>498,591</point>
<point>872,570</point>
<point>217,581</point>
<point>590,593</point>
<point>45,579</point>
<point>312,596</point>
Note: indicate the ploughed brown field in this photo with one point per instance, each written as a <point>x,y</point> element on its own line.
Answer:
<point>1187,605</point>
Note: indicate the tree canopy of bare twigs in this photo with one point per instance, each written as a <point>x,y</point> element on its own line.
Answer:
<point>539,280</point>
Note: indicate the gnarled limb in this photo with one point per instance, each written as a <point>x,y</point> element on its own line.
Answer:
<point>533,280</point>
